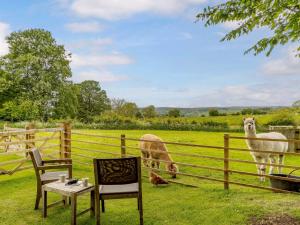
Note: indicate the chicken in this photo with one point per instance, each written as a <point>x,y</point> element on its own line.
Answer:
<point>156,179</point>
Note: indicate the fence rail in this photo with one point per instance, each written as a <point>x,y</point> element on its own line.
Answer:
<point>24,140</point>
<point>86,146</point>
<point>226,159</point>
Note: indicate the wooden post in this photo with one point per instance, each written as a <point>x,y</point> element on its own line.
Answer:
<point>65,140</point>
<point>226,162</point>
<point>123,146</point>
<point>29,137</point>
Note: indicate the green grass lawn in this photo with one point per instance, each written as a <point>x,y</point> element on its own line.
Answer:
<point>171,205</point>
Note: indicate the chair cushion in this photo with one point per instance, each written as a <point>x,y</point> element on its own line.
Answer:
<point>122,188</point>
<point>48,176</point>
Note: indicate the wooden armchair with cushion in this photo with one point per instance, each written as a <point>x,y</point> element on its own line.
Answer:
<point>43,177</point>
<point>116,179</point>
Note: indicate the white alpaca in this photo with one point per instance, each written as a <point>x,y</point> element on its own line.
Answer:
<point>257,145</point>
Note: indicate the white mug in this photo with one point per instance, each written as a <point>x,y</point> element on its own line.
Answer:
<point>85,182</point>
<point>62,178</point>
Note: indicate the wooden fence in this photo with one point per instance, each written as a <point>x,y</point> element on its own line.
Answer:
<point>58,142</point>
<point>84,156</point>
<point>52,143</point>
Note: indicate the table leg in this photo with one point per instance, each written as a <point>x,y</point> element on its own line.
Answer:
<point>92,203</point>
<point>44,196</point>
<point>65,200</point>
<point>73,209</point>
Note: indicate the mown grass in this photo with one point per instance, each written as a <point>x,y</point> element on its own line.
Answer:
<point>171,205</point>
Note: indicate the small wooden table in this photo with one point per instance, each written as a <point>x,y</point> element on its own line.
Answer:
<point>71,191</point>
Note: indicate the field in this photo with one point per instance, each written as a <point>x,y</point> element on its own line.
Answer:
<point>172,205</point>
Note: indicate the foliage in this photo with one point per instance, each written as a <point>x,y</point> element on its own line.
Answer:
<point>296,104</point>
<point>117,104</point>
<point>149,111</point>
<point>67,102</point>
<point>92,100</point>
<point>251,111</point>
<point>19,110</point>
<point>280,16</point>
<point>283,119</point>
<point>174,113</point>
<point>35,69</point>
<point>128,109</point>
<point>213,112</point>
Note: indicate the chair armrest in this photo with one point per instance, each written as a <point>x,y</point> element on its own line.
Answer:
<point>61,166</point>
<point>57,161</point>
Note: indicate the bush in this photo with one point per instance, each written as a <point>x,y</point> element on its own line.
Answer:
<point>213,112</point>
<point>19,111</point>
<point>283,119</point>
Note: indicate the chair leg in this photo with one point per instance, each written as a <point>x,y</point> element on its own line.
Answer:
<point>102,205</point>
<point>97,211</point>
<point>38,197</point>
<point>141,210</point>
<point>138,203</point>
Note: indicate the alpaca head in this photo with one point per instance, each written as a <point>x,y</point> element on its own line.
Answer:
<point>173,169</point>
<point>249,125</point>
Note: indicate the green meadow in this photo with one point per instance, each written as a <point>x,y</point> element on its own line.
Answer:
<point>174,204</point>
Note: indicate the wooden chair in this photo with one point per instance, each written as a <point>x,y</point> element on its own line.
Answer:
<point>116,179</point>
<point>43,177</point>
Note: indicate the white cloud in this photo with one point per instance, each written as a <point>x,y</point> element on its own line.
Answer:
<point>84,27</point>
<point>287,64</point>
<point>4,31</point>
<point>92,66</point>
<point>231,25</point>
<point>118,9</point>
<point>90,44</point>
<point>263,94</point>
<point>100,61</point>
<point>98,75</point>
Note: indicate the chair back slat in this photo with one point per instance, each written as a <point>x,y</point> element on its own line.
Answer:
<point>117,171</point>
<point>37,157</point>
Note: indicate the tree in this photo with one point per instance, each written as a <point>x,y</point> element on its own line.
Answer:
<point>213,112</point>
<point>296,104</point>
<point>280,16</point>
<point>92,100</point>
<point>35,69</point>
<point>66,105</point>
<point>149,111</point>
<point>174,113</point>
<point>129,109</point>
<point>250,111</point>
<point>117,104</point>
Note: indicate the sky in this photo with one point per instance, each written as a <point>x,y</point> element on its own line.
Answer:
<point>153,52</point>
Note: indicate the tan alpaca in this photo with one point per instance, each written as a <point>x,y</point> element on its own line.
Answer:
<point>152,148</point>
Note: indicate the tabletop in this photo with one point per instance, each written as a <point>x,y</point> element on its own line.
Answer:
<point>68,190</point>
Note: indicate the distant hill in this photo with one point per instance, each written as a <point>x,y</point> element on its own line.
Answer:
<point>190,112</point>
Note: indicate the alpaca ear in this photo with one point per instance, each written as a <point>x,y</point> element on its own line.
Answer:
<point>253,118</point>
<point>244,119</point>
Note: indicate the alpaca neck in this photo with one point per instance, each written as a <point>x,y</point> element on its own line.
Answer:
<point>251,133</point>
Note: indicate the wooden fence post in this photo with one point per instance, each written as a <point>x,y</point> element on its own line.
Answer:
<point>65,140</point>
<point>226,162</point>
<point>29,137</point>
<point>123,145</point>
